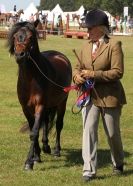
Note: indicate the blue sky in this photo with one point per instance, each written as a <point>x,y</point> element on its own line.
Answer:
<point>20,4</point>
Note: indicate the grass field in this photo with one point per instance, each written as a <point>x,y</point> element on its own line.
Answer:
<point>66,170</point>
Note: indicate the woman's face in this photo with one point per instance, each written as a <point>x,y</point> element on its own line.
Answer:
<point>95,33</point>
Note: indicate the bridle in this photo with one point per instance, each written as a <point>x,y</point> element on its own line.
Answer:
<point>21,44</point>
<point>23,53</point>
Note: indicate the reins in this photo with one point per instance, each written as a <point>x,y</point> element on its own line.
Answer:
<point>50,80</point>
<point>72,109</point>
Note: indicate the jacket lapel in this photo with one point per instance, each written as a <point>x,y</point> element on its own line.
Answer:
<point>100,50</point>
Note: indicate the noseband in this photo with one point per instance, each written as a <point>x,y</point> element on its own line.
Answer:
<point>22,53</point>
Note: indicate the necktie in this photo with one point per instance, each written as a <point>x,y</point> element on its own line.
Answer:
<point>95,48</point>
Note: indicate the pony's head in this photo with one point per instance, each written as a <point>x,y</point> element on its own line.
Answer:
<point>22,40</point>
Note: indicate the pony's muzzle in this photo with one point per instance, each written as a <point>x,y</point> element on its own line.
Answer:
<point>20,50</point>
<point>20,55</point>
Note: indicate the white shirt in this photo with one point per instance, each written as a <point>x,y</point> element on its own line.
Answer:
<point>95,45</point>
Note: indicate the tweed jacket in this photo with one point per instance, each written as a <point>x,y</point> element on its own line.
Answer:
<point>108,67</point>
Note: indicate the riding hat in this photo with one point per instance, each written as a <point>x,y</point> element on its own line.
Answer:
<point>96,17</point>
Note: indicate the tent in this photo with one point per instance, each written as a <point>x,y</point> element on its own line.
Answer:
<point>110,17</point>
<point>31,9</point>
<point>56,12</point>
<point>80,11</point>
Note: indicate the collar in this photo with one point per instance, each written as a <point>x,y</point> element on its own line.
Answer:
<point>102,39</point>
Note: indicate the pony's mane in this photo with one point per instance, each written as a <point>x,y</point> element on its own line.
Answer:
<point>15,28</point>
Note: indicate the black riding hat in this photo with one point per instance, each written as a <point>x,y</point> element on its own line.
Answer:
<point>96,17</point>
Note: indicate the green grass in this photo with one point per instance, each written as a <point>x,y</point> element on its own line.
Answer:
<point>66,170</point>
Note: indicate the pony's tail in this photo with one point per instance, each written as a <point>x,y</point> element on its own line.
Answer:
<point>50,114</point>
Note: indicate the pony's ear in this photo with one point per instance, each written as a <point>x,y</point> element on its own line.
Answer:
<point>36,22</point>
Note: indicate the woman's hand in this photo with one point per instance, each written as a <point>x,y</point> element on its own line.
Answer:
<point>78,79</point>
<point>86,74</point>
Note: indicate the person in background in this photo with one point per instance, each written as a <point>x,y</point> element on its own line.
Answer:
<point>59,20</point>
<point>102,60</point>
<point>31,18</point>
<point>113,25</point>
<point>14,8</point>
<point>14,11</point>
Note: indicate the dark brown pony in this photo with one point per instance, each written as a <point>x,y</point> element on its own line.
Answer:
<point>42,77</point>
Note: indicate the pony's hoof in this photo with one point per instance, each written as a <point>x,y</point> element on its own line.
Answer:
<point>37,159</point>
<point>28,167</point>
<point>46,149</point>
<point>56,153</point>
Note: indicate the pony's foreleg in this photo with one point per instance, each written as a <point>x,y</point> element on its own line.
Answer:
<point>37,152</point>
<point>34,152</point>
<point>46,148</point>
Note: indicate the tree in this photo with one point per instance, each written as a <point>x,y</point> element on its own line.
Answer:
<point>115,7</point>
<point>50,4</point>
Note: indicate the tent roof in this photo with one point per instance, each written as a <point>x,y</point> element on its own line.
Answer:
<point>80,11</point>
<point>31,9</point>
<point>57,10</point>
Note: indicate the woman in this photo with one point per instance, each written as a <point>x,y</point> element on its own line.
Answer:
<point>102,61</point>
